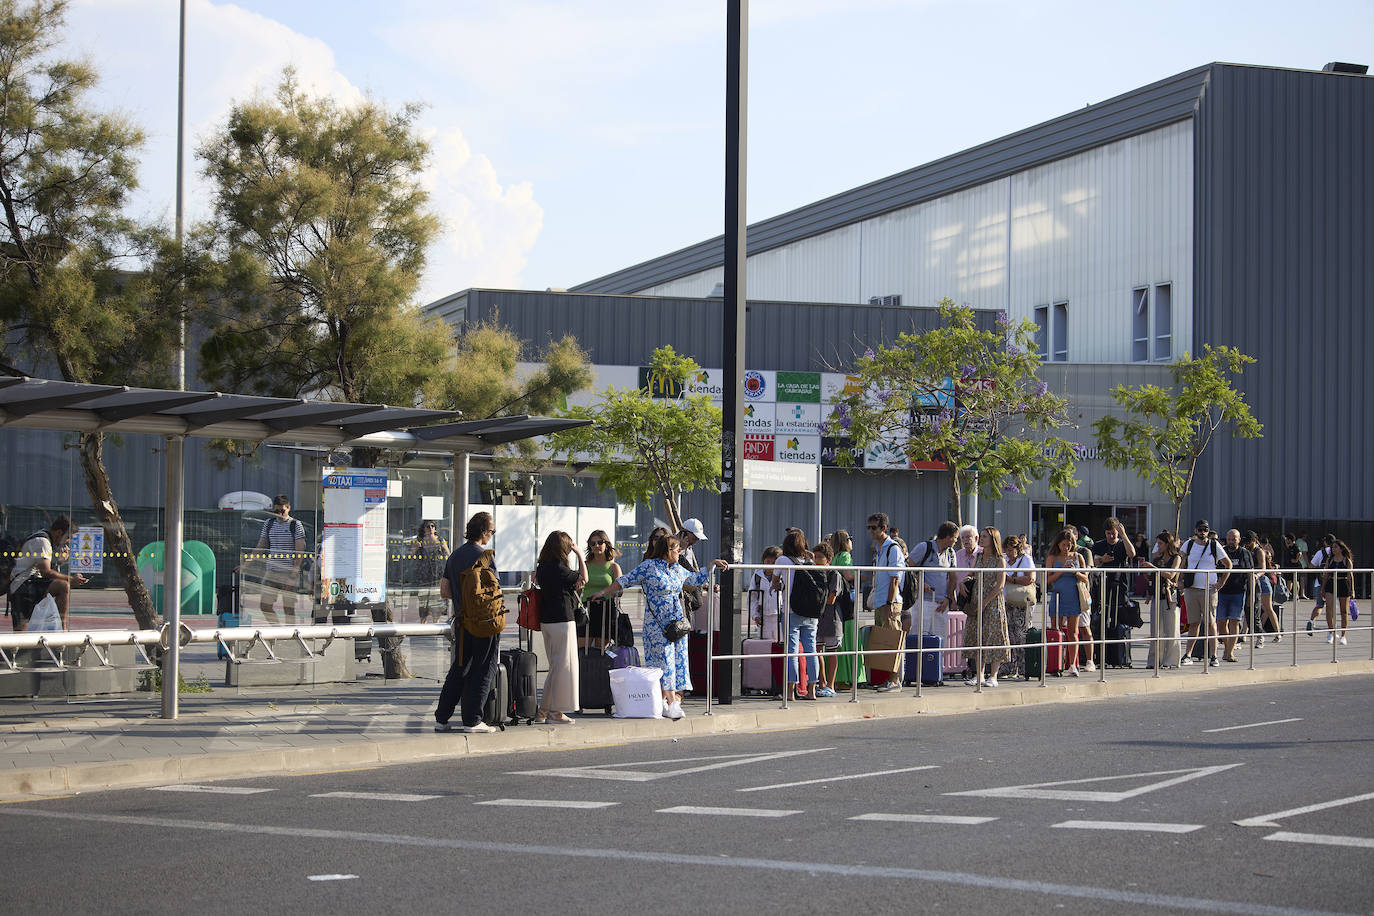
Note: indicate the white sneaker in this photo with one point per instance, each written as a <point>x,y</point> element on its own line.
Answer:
<point>1259,642</point>
<point>1073,671</point>
<point>481,728</point>
<point>674,711</point>
<point>990,682</point>
<point>1330,638</point>
<point>1343,640</point>
<point>1187,660</point>
<point>1090,666</point>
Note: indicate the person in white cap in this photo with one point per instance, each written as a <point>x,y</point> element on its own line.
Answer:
<point>692,532</point>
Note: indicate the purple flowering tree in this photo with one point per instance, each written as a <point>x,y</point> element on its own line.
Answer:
<point>966,396</point>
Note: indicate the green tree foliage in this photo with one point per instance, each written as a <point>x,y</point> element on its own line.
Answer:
<point>968,396</point>
<point>1167,430</point>
<point>643,446</point>
<point>75,294</point>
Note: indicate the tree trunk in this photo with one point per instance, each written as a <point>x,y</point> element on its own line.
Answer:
<point>674,513</point>
<point>956,503</point>
<point>117,545</point>
<point>394,665</point>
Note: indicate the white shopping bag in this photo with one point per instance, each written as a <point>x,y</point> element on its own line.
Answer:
<point>45,618</point>
<point>638,693</point>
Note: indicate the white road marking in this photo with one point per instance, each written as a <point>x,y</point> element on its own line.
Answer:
<point>620,773</point>
<point>545,803</point>
<point>1321,839</point>
<point>924,818</point>
<point>330,877</point>
<point>213,790</point>
<point>1138,826</point>
<point>658,859</point>
<point>728,812</point>
<point>1231,728</point>
<point>1271,820</point>
<point>812,782</point>
<point>1042,790</point>
<point>378,796</point>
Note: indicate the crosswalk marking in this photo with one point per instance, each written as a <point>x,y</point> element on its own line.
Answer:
<point>729,812</point>
<point>1136,826</point>
<point>968,820</point>
<point>1271,820</point>
<point>1231,728</point>
<point>546,803</point>
<point>211,790</point>
<point>378,796</point>
<point>1322,839</point>
<point>330,877</point>
<point>811,782</point>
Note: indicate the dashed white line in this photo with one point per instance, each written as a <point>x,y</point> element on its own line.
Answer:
<point>546,803</point>
<point>378,796</point>
<point>1321,839</point>
<point>1135,826</point>
<point>924,818</point>
<point>812,782</point>
<point>1231,728</point>
<point>211,790</point>
<point>728,812</point>
<point>1271,820</point>
<point>330,877</point>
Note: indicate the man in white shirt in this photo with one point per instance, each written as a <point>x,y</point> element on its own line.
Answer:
<point>1204,572</point>
<point>935,555</point>
<point>1318,561</point>
<point>35,576</point>
<point>886,598</point>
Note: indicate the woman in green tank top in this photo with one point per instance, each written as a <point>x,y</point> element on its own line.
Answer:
<point>602,570</point>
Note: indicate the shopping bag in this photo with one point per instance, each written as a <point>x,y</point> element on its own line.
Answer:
<point>638,693</point>
<point>883,638</point>
<point>45,618</point>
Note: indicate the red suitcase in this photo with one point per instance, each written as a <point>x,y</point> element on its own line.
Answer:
<point>1054,652</point>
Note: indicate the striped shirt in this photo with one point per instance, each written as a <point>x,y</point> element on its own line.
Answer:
<point>281,537</point>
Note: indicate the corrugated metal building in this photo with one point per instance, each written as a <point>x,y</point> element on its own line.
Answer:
<point>1229,204</point>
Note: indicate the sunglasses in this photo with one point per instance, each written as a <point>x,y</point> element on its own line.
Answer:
<point>875,527</point>
<point>596,543</point>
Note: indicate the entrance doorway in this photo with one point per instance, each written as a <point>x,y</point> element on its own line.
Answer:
<point>1047,519</point>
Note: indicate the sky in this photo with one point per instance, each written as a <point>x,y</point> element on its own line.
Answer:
<point>572,139</point>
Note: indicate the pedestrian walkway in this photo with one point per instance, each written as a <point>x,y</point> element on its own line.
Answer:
<point>52,747</point>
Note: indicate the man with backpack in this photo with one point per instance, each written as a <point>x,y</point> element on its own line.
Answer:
<point>470,581</point>
<point>35,576</point>
<point>283,539</point>
<point>1203,563</point>
<point>934,554</point>
<point>886,601</point>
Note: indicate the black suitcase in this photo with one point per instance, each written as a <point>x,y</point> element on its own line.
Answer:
<point>498,701</point>
<point>1118,654</point>
<point>594,679</point>
<point>519,667</point>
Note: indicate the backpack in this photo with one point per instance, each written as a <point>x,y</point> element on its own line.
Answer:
<point>809,591</point>
<point>9,553</point>
<point>909,583</point>
<point>482,611</point>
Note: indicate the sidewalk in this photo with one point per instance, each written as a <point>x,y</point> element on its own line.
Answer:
<point>54,747</point>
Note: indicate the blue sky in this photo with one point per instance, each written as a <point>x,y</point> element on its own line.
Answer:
<point>573,139</point>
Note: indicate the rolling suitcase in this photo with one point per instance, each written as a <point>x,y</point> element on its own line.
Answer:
<point>1056,658</point>
<point>498,701</point>
<point>761,676</point>
<point>594,679</point>
<point>932,664</point>
<point>1033,659</point>
<point>520,667</point>
<point>953,662</point>
<point>911,665</point>
<point>696,661</point>
<point>1118,654</point>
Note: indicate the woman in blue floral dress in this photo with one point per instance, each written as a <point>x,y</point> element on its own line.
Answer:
<point>662,579</point>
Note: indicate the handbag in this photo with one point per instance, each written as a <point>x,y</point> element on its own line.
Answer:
<point>675,630</point>
<point>1085,598</point>
<point>581,617</point>
<point>528,614</point>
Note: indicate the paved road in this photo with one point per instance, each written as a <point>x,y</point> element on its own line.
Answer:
<point>1139,815</point>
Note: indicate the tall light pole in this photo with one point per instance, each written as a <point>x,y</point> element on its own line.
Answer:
<point>181,159</point>
<point>731,440</point>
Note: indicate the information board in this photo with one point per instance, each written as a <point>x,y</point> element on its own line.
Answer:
<point>353,550</point>
<point>88,550</point>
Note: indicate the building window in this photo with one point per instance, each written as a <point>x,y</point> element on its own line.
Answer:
<point>1164,321</point>
<point>1060,354</point>
<point>894,299</point>
<point>1140,324</point>
<point>1042,331</point>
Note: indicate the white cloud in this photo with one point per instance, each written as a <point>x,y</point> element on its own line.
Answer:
<point>232,54</point>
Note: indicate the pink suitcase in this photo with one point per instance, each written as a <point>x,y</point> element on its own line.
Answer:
<point>761,676</point>
<point>954,661</point>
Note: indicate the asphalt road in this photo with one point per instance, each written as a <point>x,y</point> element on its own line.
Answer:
<point>1139,816</point>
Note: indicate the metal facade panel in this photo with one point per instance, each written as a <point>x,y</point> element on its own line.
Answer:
<point>1149,107</point>
<point>1285,242</point>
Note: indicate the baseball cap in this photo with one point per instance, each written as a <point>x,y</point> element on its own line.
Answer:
<point>1083,529</point>
<point>1202,523</point>
<point>694,526</point>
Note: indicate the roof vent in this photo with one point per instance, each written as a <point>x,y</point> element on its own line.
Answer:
<point>1338,67</point>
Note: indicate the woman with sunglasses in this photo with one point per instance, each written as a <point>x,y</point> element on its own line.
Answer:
<point>602,570</point>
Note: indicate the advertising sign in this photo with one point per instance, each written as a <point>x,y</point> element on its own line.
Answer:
<point>758,419</point>
<point>353,550</point>
<point>657,385</point>
<point>758,448</point>
<point>799,387</point>
<point>803,449</point>
<point>797,420</point>
<point>831,449</point>
<point>761,385</point>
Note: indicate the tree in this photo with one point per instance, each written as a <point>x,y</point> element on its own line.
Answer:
<point>644,446</point>
<point>75,291</point>
<point>319,236</point>
<point>1167,430</point>
<point>963,395</point>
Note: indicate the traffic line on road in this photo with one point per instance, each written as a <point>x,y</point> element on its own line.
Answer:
<point>378,796</point>
<point>211,790</point>
<point>330,877</point>
<point>1135,826</point>
<point>966,820</point>
<point>546,803</point>
<point>1070,789</point>
<point>1271,820</point>
<point>1322,839</point>
<point>656,860</point>
<point>1231,728</point>
<point>812,782</point>
<point>728,812</point>
<point>622,772</point>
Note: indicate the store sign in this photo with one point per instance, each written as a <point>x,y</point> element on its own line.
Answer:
<point>758,418</point>
<point>657,384</point>
<point>799,387</point>
<point>760,386</point>
<point>797,419</point>
<point>832,448</point>
<point>758,448</point>
<point>707,382</point>
<point>803,449</point>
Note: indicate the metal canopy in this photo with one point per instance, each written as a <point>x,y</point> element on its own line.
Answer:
<point>50,404</point>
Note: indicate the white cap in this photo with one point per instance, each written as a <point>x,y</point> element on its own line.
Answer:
<point>693,526</point>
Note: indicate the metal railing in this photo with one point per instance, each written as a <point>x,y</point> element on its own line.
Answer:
<point>1109,583</point>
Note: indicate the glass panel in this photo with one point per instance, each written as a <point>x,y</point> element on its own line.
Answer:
<point>1140,324</point>
<point>1164,303</point>
<point>1042,331</point>
<point>1061,332</point>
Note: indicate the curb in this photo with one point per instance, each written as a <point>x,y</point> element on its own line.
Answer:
<point>278,761</point>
